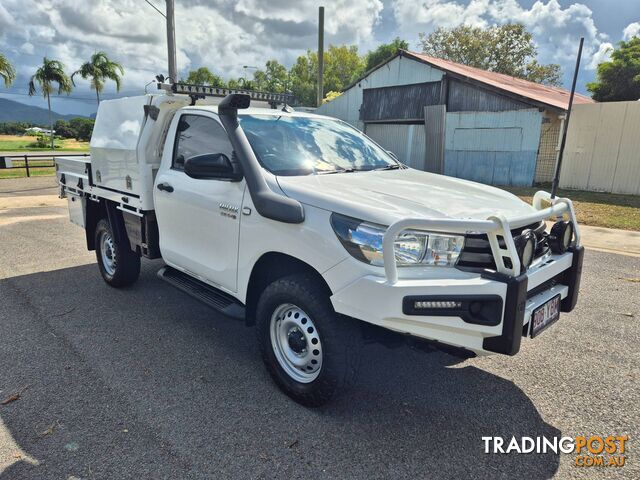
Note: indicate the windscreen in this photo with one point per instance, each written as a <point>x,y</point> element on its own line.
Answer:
<point>290,145</point>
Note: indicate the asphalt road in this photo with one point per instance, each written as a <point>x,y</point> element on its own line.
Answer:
<point>145,382</point>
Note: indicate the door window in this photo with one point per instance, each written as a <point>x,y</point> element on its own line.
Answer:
<point>198,135</point>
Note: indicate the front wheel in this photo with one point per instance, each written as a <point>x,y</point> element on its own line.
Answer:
<point>310,351</point>
<point>119,265</point>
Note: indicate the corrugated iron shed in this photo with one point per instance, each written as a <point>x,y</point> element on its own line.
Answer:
<point>552,96</point>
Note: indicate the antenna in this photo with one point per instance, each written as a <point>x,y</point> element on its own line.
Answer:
<point>556,177</point>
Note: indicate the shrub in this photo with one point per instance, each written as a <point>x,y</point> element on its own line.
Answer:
<point>44,141</point>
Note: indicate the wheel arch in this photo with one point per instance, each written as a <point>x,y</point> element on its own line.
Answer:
<point>270,267</point>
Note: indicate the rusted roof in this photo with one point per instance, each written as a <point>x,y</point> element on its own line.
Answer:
<point>553,96</point>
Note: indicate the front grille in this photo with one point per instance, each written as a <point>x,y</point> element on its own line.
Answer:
<point>477,250</point>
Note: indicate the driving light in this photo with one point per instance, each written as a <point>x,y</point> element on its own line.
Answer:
<point>526,244</point>
<point>560,236</point>
<point>437,304</point>
<point>363,241</point>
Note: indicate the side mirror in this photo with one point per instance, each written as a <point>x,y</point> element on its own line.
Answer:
<point>211,165</point>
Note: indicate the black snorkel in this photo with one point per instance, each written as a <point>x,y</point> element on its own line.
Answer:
<point>268,203</point>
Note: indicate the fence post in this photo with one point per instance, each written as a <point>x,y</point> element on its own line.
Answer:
<point>26,165</point>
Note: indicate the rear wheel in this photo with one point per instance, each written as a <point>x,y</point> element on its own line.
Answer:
<point>119,265</point>
<point>311,352</point>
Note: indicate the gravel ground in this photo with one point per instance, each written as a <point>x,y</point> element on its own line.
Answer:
<point>147,383</point>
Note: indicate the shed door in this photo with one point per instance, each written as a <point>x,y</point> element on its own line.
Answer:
<point>497,148</point>
<point>407,142</point>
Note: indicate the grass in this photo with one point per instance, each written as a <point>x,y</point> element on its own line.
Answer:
<point>609,210</point>
<point>36,168</point>
<point>34,172</point>
<point>17,143</point>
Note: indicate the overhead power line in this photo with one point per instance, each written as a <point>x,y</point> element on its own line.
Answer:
<point>156,8</point>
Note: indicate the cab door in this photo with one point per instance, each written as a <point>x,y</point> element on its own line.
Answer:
<point>198,219</point>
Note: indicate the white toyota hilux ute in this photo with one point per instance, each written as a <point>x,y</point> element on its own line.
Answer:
<point>301,225</point>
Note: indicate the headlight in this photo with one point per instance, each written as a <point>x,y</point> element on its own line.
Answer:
<point>363,241</point>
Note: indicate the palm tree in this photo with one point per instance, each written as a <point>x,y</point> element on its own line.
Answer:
<point>7,72</point>
<point>99,69</point>
<point>51,71</point>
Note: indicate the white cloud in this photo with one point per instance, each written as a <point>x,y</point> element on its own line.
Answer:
<point>631,30</point>
<point>556,30</point>
<point>220,34</point>
<point>6,19</point>
<point>27,48</point>
<point>602,55</point>
<point>437,13</point>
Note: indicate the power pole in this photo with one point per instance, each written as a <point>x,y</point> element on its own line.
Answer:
<point>171,40</point>
<point>320,96</point>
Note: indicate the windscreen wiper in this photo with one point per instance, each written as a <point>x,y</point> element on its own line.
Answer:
<point>337,170</point>
<point>395,166</point>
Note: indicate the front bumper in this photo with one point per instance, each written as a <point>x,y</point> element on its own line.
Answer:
<point>374,300</point>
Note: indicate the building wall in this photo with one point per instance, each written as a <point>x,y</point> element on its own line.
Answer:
<point>467,97</point>
<point>488,137</point>
<point>497,148</point>
<point>399,71</point>
<point>548,148</point>
<point>407,142</point>
<point>399,102</point>
<point>603,148</point>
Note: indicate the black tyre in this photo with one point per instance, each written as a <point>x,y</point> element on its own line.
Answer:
<point>311,352</point>
<point>119,265</point>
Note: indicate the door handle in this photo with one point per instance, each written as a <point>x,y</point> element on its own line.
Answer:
<point>165,187</point>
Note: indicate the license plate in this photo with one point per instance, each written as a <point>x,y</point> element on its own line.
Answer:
<point>545,315</point>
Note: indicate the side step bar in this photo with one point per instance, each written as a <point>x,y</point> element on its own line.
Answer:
<point>207,294</point>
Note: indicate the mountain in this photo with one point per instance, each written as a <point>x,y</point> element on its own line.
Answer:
<point>11,111</point>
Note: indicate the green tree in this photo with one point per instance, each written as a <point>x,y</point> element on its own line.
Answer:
<point>259,81</point>
<point>235,84</point>
<point>619,78</point>
<point>7,72</point>
<point>50,72</point>
<point>342,66</point>
<point>304,77</point>
<point>100,69</point>
<point>277,77</point>
<point>550,74</point>
<point>384,52</point>
<point>83,128</point>
<point>14,128</point>
<point>63,129</point>
<point>273,78</point>
<point>204,76</point>
<point>507,49</point>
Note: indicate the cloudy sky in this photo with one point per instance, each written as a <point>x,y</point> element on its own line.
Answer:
<point>227,34</point>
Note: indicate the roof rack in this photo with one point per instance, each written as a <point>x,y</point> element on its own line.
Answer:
<point>202,91</point>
